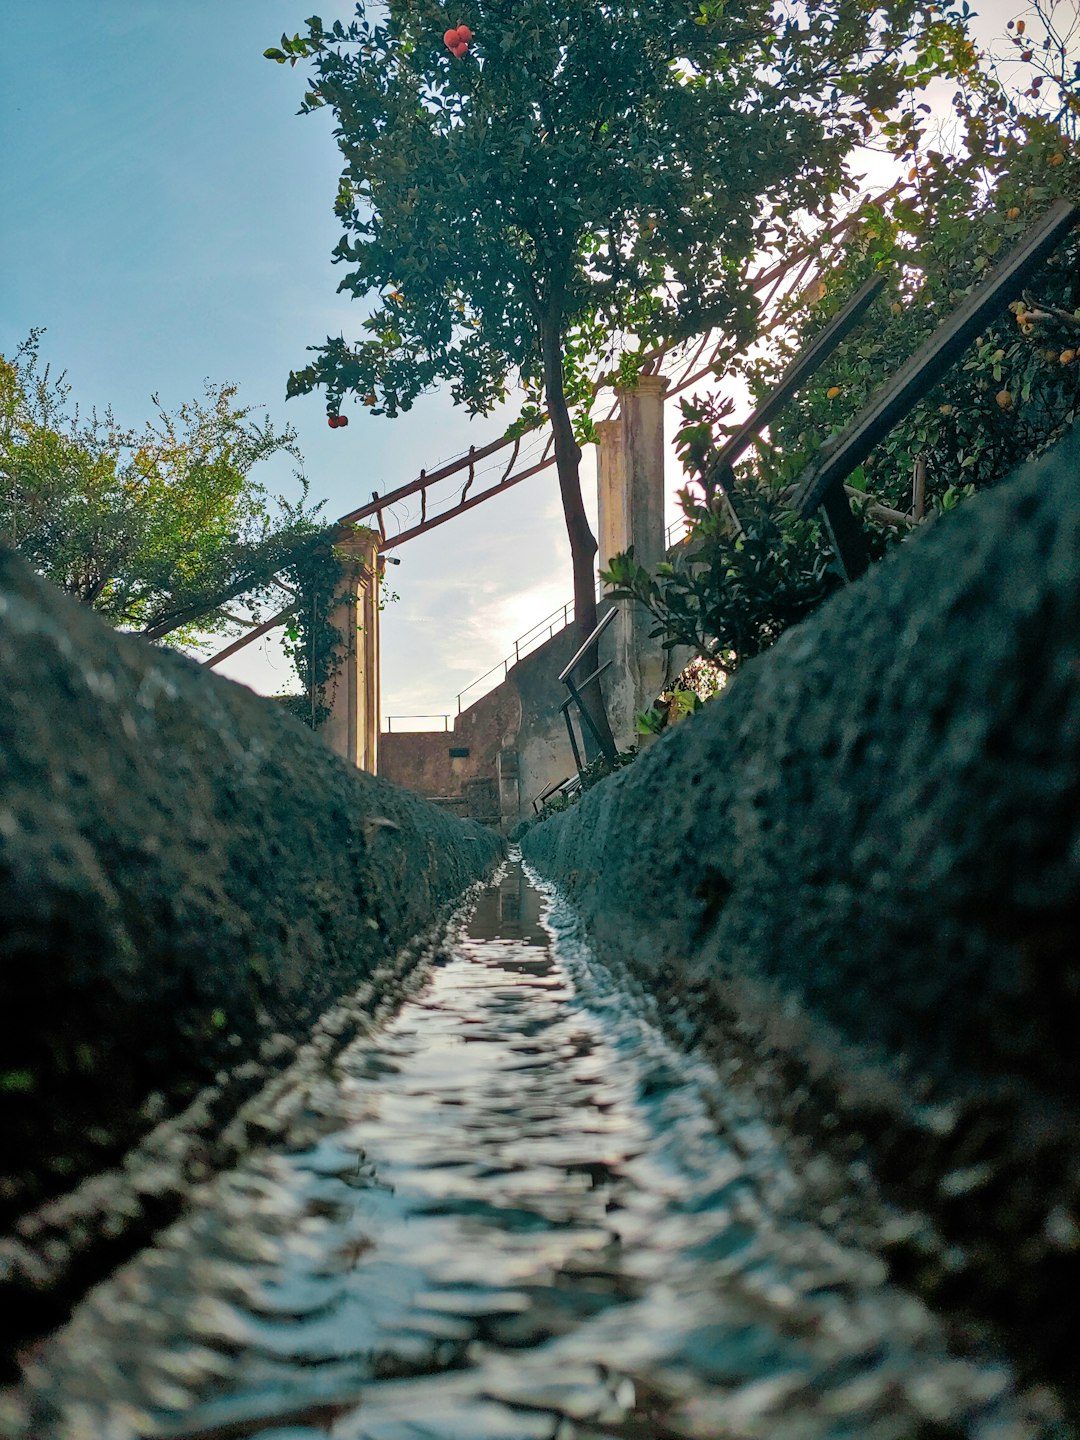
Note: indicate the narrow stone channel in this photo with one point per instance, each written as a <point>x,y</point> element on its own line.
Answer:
<point>513,1212</point>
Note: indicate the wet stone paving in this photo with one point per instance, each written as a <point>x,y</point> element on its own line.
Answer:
<point>515,1211</point>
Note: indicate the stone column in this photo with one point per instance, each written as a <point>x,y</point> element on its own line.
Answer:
<point>630,505</point>
<point>642,417</point>
<point>353,696</point>
<point>612,521</point>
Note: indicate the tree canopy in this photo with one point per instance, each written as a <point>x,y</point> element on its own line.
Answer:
<point>157,528</point>
<point>573,180</point>
<point>612,166</point>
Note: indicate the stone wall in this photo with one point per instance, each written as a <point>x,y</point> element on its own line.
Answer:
<point>184,871</point>
<point>515,737</point>
<point>858,871</point>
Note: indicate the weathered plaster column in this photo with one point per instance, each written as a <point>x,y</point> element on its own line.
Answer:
<point>642,417</point>
<point>630,505</point>
<point>352,727</point>
<point>612,518</point>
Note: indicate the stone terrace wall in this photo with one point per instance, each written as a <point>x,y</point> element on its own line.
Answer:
<point>859,871</point>
<point>515,736</point>
<point>184,872</point>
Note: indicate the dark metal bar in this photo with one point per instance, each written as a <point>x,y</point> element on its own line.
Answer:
<point>379,516</point>
<point>607,750</point>
<point>511,462</point>
<point>604,745</point>
<point>847,535</point>
<point>468,504</point>
<point>548,790</point>
<point>898,396</point>
<point>263,629</point>
<point>472,473</point>
<point>797,374</point>
<point>573,738</point>
<point>580,685</point>
<point>918,489</point>
<point>579,656</point>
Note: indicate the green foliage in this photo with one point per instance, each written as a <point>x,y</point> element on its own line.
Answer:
<point>963,207</point>
<point>311,639</point>
<point>156,528</point>
<point>591,774</point>
<point>729,595</point>
<point>699,682</point>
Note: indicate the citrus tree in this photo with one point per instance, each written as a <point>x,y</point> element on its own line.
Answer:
<point>1018,386</point>
<point>156,528</point>
<point>556,179</point>
<point>970,187</point>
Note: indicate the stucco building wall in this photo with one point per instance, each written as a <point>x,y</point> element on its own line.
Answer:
<point>502,751</point>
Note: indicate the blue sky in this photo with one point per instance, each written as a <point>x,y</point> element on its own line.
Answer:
<point>168,217</point>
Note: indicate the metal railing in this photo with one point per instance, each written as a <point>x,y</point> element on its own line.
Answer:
<point>546,629</point>
<point>532,639</point>
<point>543,631</point>
<point>821,485</point>
<point>389,722</point>
<point>604,743</point>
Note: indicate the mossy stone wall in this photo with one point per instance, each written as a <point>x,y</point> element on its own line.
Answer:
<point>860,867</point>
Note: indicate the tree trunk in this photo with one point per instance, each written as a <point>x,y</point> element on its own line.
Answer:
<point>582,541</point>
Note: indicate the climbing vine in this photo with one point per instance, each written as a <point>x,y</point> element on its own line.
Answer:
<point>313,643</point>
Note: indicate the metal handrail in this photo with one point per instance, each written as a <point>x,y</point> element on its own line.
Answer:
<point>579,655</point>
<point>821,483</point>
<point>531,640</point>
<point>804,365</point>
<point>443,717</point>
<point>604,742</point>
